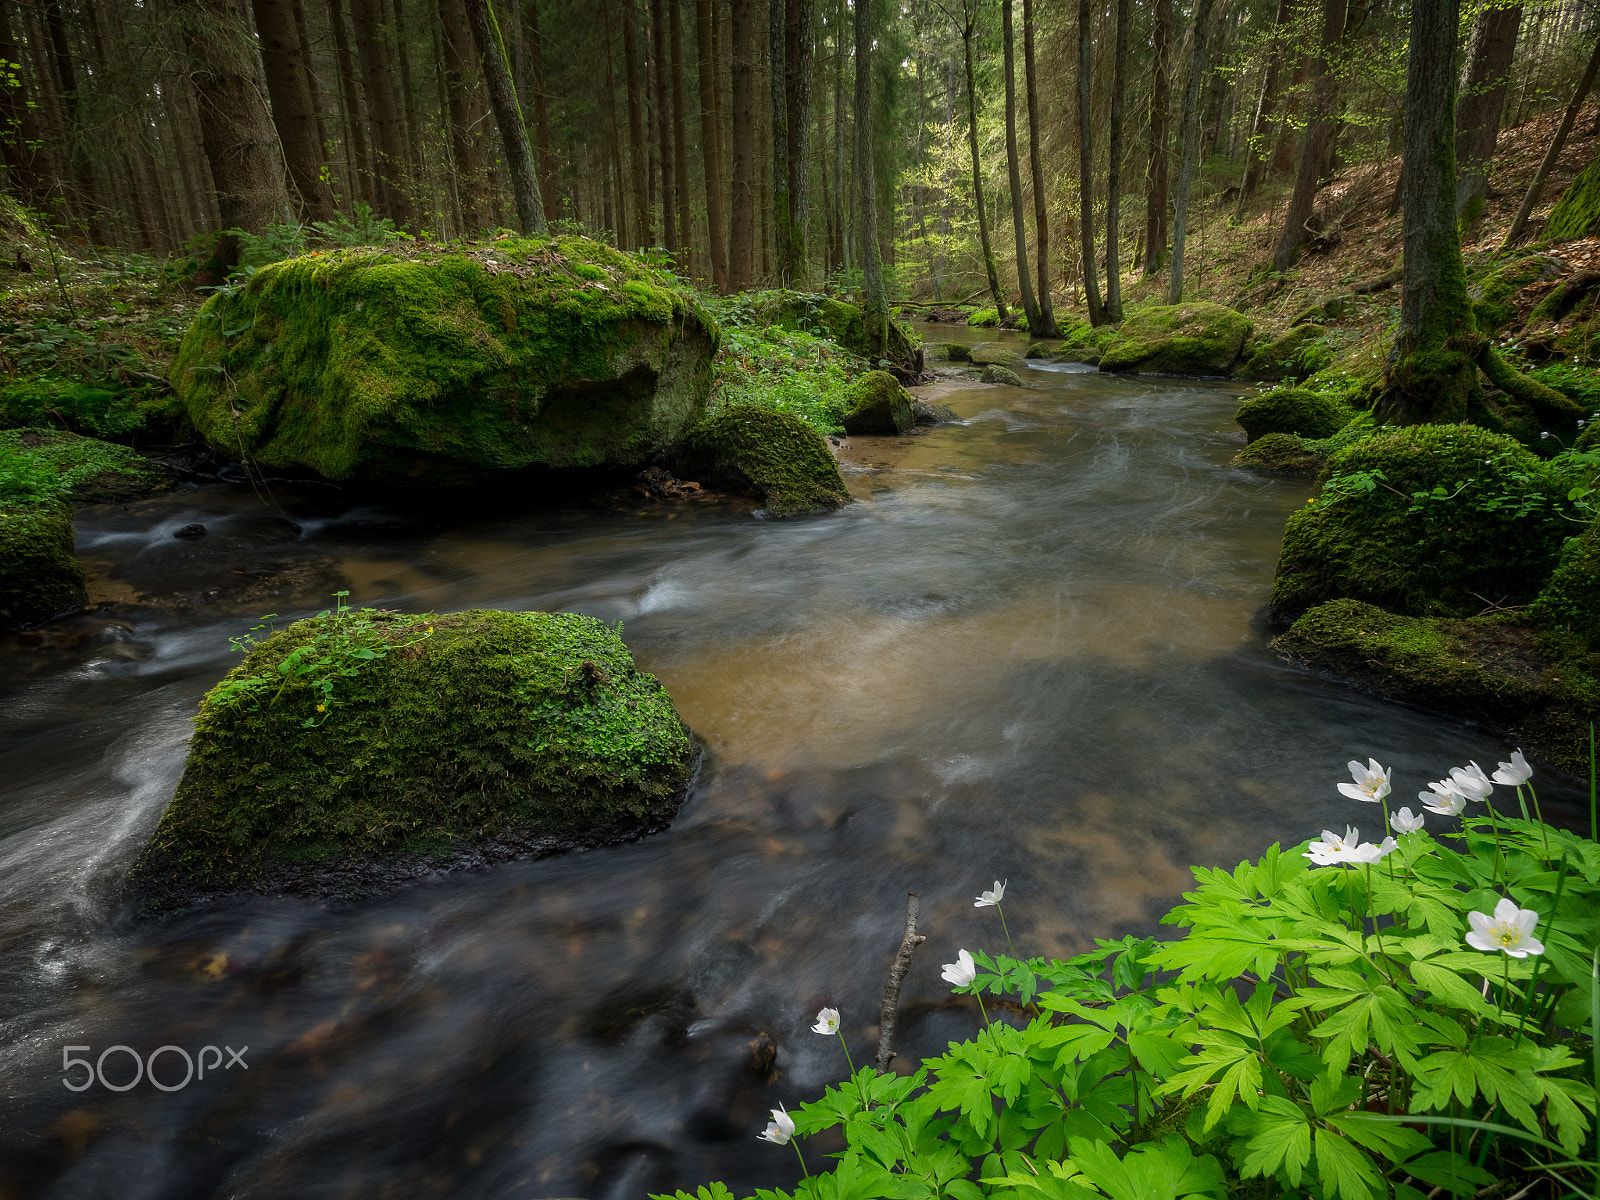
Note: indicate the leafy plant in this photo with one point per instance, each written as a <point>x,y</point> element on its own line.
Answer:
<point>26,478</point>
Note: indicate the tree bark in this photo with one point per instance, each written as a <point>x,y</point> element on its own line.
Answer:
<point>1119,72</point>
<point>293,111</point>
<point>638,147</point>
<point>841,253</point>
<point>534,50</point>
<point>680,141</point>
<point>1266,102</point>
<point>377,77</point>
<point>875,301</point>
<point>1283,152</point>
<point>1091,270</point>
<point>1190,138</point>
<point>355,123</point>
<point>797,64</point>
<point>21,141</point>
<point>467,112</point>
<point>1531,200</point>
<point>711,144</point>
<point>513,133</point>
<point>778,126</point>
<point>1314,147</point>
<point>970,17</point>
<point>1041,212</point>
<point>620,231</point>
<point>742,250</point>
<point>1480,101</point>
<point>1019,228</point>
<point>1155,210</point>
<point>662,115</point>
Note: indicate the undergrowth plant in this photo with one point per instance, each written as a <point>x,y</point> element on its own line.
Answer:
<point>1340,1020</point>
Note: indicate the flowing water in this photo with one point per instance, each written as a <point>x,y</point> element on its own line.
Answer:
<point>1033,652</point>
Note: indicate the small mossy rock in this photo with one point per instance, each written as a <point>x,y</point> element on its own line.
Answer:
<point>878,404</point>
<point>433,367</point>
<point>925,412</point>
<point>92,471</point>
<point>1040,350</point>
<point>1292,410</point>
<point>844,323</point>
<point>1570,600</point>
<point>1178,339</point>
<point>996,354</point>
<point>472,725</point>
<point>774,456</point>
<point>39,577</point>
<point>996,374</point>
<point>1281,454</point>
<point>1577,212</point>
<point>1494,299</point>
<point>1329,308</point>
<point>1298,354</point>
<point>1492,535</point>
<point>957,352</point>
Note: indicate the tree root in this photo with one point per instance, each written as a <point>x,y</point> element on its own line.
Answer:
<point>1545,402</point>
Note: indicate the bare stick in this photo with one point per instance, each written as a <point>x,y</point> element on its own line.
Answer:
<point>897,973</point>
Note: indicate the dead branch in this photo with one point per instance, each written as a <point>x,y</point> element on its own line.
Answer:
<point>897,974</point>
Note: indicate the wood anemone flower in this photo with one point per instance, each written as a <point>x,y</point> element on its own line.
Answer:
<point>1510,929</point>
<point>780,1129</point>
<point>962,972</point>
<point>1371,781</point>
<point>1514,773</point>
<point>827,1022</point>
<point>992,897</point>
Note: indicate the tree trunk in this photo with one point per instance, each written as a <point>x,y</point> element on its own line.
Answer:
<point>1190,139</point>
<point>1266,101</point>
<point>680,141</point>
<point>1314,147</point>
<point>875,301</point>
<point>513,133</point>
<point>797,64</point>
<point>970,16</point>
<point>1283,153</point>
<point>711,143</point>
<point>293,111</point>
<point>1019,228</point>
<point>841,258</point>
<point>21,143</point>
<point>638,147</point>
<point>778,126</point>
<point>742,252</point>
<point>377,77</point>
<point>355,123</point>
<point>662,116</point>
<point>411,131</point>
<point>467,113</point>
<point>1155,208</point>
<point>1531,200</point>
<point>1480,101</point>
<point>534,51</point>
<point>1091,270</point>
<point>1119,72</point>
<point>1041,212</point>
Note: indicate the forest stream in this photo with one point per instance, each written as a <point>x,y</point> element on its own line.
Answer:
<point>1034,651</point>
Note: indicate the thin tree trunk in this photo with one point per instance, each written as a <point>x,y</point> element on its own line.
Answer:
<point>468,136</point>
<point>411,133</point>
<point>1283,153</point>
<point>797,64</point>
<point>1119,72</point>
<point>1531,200</point>
<point>970,16</point>
<point>1091,270</point>
<point>638,146</point>
<point>875,301</point>
<point>1155,206</point>
<point>1314,147</point>
<point>377,76</point>
<point>1019,228</point>
<point>841,259</point>
<point>661,113</point>
<point>778,126</point>
<point>680,142</point>
<point>21,146</point>
<point>355,124</point>
<point>1480,101</point>
<point>1190,139</point>
<point>1266,101</point>
<point>620,210</point>
<point>711,144</point>
<point>742,251</point>
<point>513,133</point>
<point>293,111</point>
<point>1046,326</point>
<point>533,49</point>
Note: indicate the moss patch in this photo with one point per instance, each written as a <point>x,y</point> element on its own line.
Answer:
<point>878,404</point>
<point>433,366</point>
<point>496,723</point>
<point>39,578</point>
<point>1084,343</point>
<point>1577,213</point>
<point>1300,353</point>
<point>1178,339</point>
<point>996,354</point>
<point>1494,300</point>
<point>1281,454</point>
<point>957,352</point>
<point>92,471</point>
<point>998,374</point>
<point>758,452</point>
<point>841,322</point>
<point>1292,410</point>
<point>114,413</point>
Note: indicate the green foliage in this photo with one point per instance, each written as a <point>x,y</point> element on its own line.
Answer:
<point>984,318</point>
<point>94,472</point>
<point>1301,352</point>
<point>1183,339</point>
<point>1292,410</point>
<point>803,373</point>
<point>1580,383</point>
<point>26,478</point>
<point>115,413</point>
<point>39,577</point>
<point>1262,1050</point>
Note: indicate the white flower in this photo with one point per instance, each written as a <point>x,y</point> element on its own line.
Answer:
<point>780,1129</point>
<point>1510,929</point>
<point>1471,782</point>
<point>1371,781</point>
<point>961,972</point>
<point>992,897</point>
<point>1333,848</point>
<point>827,1022</point>
<point>1368,853</point>
<point>1514,773</point>
<point>1404,822</point>
<point>1443,799</point>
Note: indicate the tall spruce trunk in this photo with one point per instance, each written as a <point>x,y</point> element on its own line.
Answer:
<point>638,147</point>
<point>778,127</point>
<point>468,137</point>
<point>1155,202</point>
<point>1314,146</point>
<point>841,254</point>
<point>661,114</point>
<point>508,116</point>
<point>1091,269</point>
<point>742,247</point>
<point>1480,101</point>
<point>1190,140</point>
<point>1019,228</point>
<point>533,50</point>
<point>293,111</point>
<point>1119,83</point>
<point>875,301</point>
<point>1266,101</point>
<point>680,142</point>
<point>354,109</point>
<point>383,111</point>
<point>1041,212</point>
<point>711,144</point>
<point>799,25</point>
<point>970,16</point>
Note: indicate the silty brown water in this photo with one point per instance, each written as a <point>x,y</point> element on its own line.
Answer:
<point>1032,652</point>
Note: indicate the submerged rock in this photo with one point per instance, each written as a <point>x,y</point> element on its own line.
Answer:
<point>437,733</point>
<point>774,456</point>
<point>429,366</point>
<point>878,404</point>
<point>1292,410</point>
<point>995,354</point>
<point>957,352</point>
<point>1178,339</point>
<point>39,577</point>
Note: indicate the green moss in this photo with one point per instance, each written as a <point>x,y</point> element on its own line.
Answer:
<point>39,577</point>
<point>997,354</point>
<point>1178,339</point>
<point>994,373</point>
<point>1083,342</point>
<point>841,322</point>
<point>113,413</point>
<point>92,471</point>
<point>1292,410</point>
<point>772,455</point>
<point>1570,600</point>
<point>434,366</point>
<point>496,724</point>
<point>1577,213</point>
<point>1494,302</point>
<point>1281,454</point>
<point>878,405</point>
<point>957,352</point>
<point>1426,521</point>
<point>1299,353</point>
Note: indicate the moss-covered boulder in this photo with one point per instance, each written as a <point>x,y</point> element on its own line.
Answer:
<point>773,456</point>
<point>878,405</point>
<point>39,578</point>
<point>844,323</point>
<point>435,732</point>
<point>995,354</point>
<point>957,352</point>
<point>1084,343</point>
<point>1494,297</point>
<point>1001,375</point>
<point>429,366</point>
<point>1298,354</point>
<point>1427,521</point>
<point>1292,410</point>
<point>1040,350</point>
<point>1577,212</point>
<point>1281,454</point>
<point>1178,339</point>
<point>114,413</point>
<point>90,471</point>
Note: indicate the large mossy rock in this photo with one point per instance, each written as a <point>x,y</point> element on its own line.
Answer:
<point>39,577</point>
<point>844,323</point>
<point>1298,354</point>
<point>774,456</point>
<point>1426,521</point>
<point>1292,410</point>
<point>878,405</point>
<point>426,366</point>
<point>1178,339</point>
<point>469,727</point>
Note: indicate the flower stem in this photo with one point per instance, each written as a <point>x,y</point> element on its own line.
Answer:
<point>1538,816</point>
<point>846,1045</point>
<point>1009,948</point>
<point>979,996</point>
<point>805,1173</point>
